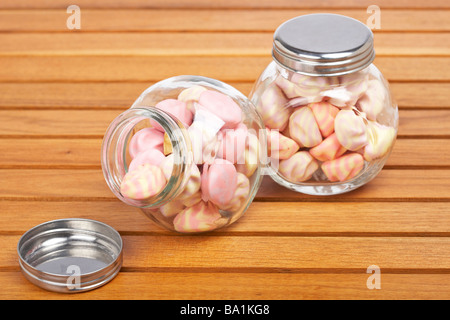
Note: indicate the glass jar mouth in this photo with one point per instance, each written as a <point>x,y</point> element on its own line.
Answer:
<point>115,164</point>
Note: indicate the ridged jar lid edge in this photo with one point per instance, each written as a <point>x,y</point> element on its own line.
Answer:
<point>344,45</point>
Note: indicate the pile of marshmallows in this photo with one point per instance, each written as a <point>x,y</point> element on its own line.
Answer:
<point>326,126</point>
<point>317,127</point>
<point>224,158</point>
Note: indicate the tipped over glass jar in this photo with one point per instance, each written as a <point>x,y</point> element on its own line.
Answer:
<point>325,105</point>
<point>187,153</point>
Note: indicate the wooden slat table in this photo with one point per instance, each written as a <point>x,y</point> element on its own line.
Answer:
<point>59,90</point>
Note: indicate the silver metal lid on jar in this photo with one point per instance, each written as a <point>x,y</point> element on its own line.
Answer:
<point>70,255</point>
<point>323,45</point>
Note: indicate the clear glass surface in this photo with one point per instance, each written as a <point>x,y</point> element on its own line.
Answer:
<point>327,135</point>
<point>181,205</point>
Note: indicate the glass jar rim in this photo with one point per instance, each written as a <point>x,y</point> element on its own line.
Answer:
<point>114,150</point>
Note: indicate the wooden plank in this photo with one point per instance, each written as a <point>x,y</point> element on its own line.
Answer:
<point>266,218</point>
<point>199,44</point>
<point>50,153</point>
<point>137,68</point>
<point>73,95</point>
<point>275,252</point>
<point>398,185</point>
<point>85,153</point>
<point>202,4</point>
<point>93,123</point>
<point>64,123</point>
<point>207,20</point>
<point>148,44</point>
<point>422,95</point>
<point>420,152</point>
<point>121,95</point>
<point>114,68</point>
<point>432,123</point>
<point>241,286</point>
<point>89,184</point>
<point>271,254</point>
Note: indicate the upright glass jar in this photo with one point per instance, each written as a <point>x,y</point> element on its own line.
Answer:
<point>187,153</point>
<point>330,117</point>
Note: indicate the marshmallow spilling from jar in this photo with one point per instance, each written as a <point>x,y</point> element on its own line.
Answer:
<point>225,155</point>
<point>327,128</point>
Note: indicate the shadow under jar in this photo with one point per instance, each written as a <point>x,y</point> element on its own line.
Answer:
<point>187,153</point>
<point>330,118</point>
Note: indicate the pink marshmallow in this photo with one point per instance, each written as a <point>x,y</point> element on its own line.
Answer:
<point>250,161</point>
<point>172,208</point>
<point>351,130</point>
<point>151,156</point>
<point>324,113</point>
<point>372,102</point>
<point>144,182</point>
<point>329,149</point>
<point>344,168</point>
<point>308,86</point>
<point>147,138</point>
<point>240,195</point>
<point>192,185</point>
<point>176,108</point>
<point>222,106</point>
<point>298,168</point>
<point>303,128</point>
<point>272,108</point>
<point>190,96</point>
<point>219,182</point>
<point>232,143</point>
<point>381,139</point>
<point>201,217</point>
<point>280,146</point>
<point>350,89</point>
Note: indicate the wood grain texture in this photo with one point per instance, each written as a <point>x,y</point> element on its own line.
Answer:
<point>84,153</point>
<point>243,286</point>
<point>398,185</point>
<point>93,123</point>
<point>89,184</point>
<point>198,44</point>
<point>137,68</point>
<point>121,95</point>
<point>270,254</point>
<point>230,20</point>
<point>369,219</point>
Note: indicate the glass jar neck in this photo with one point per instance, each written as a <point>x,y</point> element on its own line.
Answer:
<point>287,73</point>
<point>115,156</point>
